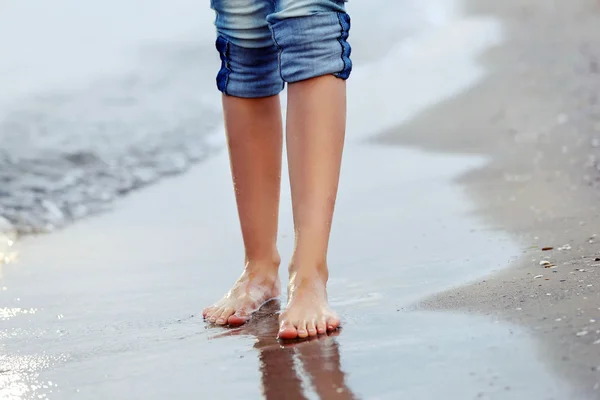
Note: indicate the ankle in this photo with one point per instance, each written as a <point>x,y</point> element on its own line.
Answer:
<point>268,263</point>
<point>303,270</point>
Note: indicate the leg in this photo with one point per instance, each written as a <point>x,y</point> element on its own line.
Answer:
<point>315,137</point>
<point>315,61</point>
<point>250,81</point>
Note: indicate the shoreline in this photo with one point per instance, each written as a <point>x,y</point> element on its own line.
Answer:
<point>535,114</point>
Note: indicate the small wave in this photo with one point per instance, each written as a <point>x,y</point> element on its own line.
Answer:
<point>71,154</point>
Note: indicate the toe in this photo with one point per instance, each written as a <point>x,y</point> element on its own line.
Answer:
<point>239,318</point>
<point>333,323</point>
<point>311,328</point>
<point>208,311</point>
<point>215,315</point>
<point>287,330</point>
<point>302,331</point>
<point>322,326</point>
<point>227,312</point>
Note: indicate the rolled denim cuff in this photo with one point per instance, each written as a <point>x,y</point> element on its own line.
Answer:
<point>248,72</point>
<point>314,45</point>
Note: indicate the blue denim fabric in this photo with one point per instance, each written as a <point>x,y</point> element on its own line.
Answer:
<point>265,43</point>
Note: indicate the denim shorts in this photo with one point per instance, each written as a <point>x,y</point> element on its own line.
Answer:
<point>265,43</point>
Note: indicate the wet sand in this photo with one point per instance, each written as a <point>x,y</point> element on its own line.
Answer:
<point>537,116</point>
<point>111,306</point>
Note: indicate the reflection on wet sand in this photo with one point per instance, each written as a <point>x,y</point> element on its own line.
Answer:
<point>286,367</point>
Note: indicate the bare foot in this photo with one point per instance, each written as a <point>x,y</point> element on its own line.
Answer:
<point>307,313</point>
<point>258,284</point>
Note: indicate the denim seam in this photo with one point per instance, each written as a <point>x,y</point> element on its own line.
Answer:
<point>279,50</point>
<point>227,66</point>
<point>225,69</point>
<point>341,44</point>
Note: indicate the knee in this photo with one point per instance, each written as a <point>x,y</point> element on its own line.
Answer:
<point>313,45</point>
<point>247,71</point>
